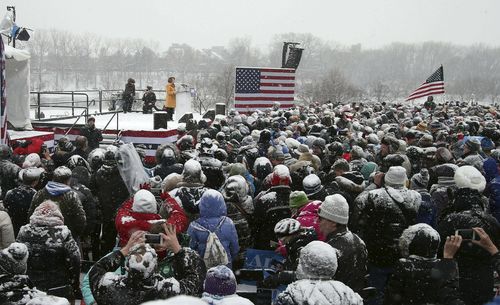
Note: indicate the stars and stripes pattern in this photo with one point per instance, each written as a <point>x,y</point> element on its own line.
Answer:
<point>258,88</point>
<point>432,86</point>
<point>3,97</point>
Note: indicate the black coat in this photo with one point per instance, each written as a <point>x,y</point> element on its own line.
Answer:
<point>189,272</point>
<point>352,259</point>
<point>111,191</point>
<point>269,207</point>
<point>89,205</point>
<point>17,202</point>
<point>8,176</point>
<point>474,263</point>
<point>417,281</point>
<point>93,135</point>
<point>163,170</point>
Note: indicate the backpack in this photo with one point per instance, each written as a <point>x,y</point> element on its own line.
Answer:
<point>215,254</point>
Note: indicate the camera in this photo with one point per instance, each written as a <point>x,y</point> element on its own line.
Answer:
<point>154,239</point>
<point>467,234</point>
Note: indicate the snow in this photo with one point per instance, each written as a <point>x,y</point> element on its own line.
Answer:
<point>62,171</point>
<point>269,196</point>
<point>109,278</point>
<point>311,180</point>
<point>145,263</point>
<point>178,300</point>
<point>16,135</point>
<point>323,293</point>
<point>318,260</point>
<point>408,235</point>
<point>48,300</point>
<point>282,171</point>
<point>126,219</point>
<point>261,161</point>
<point>175,286</point>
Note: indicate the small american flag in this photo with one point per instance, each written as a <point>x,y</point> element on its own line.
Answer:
<point>3,97</point>
<point>433,85</point>
<point>259,88</point>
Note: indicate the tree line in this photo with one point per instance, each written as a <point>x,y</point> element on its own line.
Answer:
<point>328,71</point>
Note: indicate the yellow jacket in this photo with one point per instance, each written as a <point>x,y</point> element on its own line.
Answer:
<point>170,100</point>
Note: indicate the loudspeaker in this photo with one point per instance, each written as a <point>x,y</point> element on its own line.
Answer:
<point>220,108</point>
<point>210,114</point>
<point>160,120</point>
<point>186,117</point>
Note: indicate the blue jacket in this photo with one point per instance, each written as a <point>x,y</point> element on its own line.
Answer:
<point>427,212</point>
<point>493,187</point>
<point>212,209</point>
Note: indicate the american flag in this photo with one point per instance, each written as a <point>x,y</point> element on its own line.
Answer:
<point>3,97</point>
<point>433,85</point>
<point>259,88</point>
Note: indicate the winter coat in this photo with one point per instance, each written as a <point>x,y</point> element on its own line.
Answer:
<point>129,92</point>
<point>269,207</point>
<point>442,194</point>
<point>383,219</point>
<point>17,290</point>
<point>89,205</point>
<point>317,292</point>
<point>111,288</point>
<point>175,215</point>
<point>295,244</point>
<point>128,221</point>
<point>427,210</point>
<point>494,197</point>
<point>93,135</point>
<point>240,213</point>
<point>308,217</point>
<point>212,212</point>
<point>17,202</point>
<point>315,160</point>
<point>68,202</point>
<point>110,190</point>
<point>54,257</point>
<point>8,176</point>
<point>212,168</point>
<point>418,280</point>
<point>233,299</point>
<point>464,199</point>
<point>6,230</point>
<point>170,89</point>
<point>474,263</point>
<point>188,195</point>
<point>164,169</point>
<point>352,259</point>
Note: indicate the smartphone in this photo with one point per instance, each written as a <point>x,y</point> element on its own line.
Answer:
<point>467,234</point>
<point>153,239</point>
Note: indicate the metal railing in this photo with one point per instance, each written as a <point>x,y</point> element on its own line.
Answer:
<point>116,113</point>
<point>78,118</point>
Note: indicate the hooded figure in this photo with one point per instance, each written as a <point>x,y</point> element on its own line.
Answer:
<point>66,199</point>
<point>167,162</point>
<point>16,287</point>
<point>54,259</point>
<point>220,288</point>
<point>8,170</point>
<point>315,284</point>
<point>213,218</point>
<point>419,277</point>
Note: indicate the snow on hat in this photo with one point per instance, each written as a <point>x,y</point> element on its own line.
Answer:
<point>335,208</point>
<point>32,160</point>
<point>373,139</point>
<point>48,300</point>
<point>298,199</point>
<point>420,239</point>
<point>235,185</point>
<point>469,177</point>
<point>280,176</point>
<point>368,168</point>
<point>473,144</point>
<point>13,259</point>
<point>395,176</point>
<point>220,281</point>
<point>146,265</point>
<point>192,172</point>
<point>178,300</point>
<point>144,202</point>
<point>170,182</point>
<point>311,184</point>
<point>303,148</point>
<point>91,118</point>
<point>47,214</point>
<point>28,175</point>
<point>420,180</point>
<point>317,261</point>
<point>237,169</point>
<point>255,134</point>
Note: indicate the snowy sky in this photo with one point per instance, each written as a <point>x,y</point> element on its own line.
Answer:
<point>205,23</point>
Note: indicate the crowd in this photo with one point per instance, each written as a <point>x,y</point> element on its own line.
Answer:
<point>366,203</point>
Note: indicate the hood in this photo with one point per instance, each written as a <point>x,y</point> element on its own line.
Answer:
<point>490,169</point>
<point>212,204</point>
<point>310,209</point>
<point>56,188</point>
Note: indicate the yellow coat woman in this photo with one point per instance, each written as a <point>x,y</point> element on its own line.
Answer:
<point>170,101</point>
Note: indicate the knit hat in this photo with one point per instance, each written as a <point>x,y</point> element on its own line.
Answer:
<point>13,259</point>
<point>32,160</point>
<point>237,169</point>
<point>279,176</point>
<point>170,182</point>
<point>298,199</point>
<point>335,208</point>
<point>144,202</point>
<point>311,184</point>
<point>473,144</point>
<point>47,214</point>
<point>443,155</point>
<point>368,168</point>
<point>469,177</point>
<point>303,148</point>
<point>317,261</point>
<point>420,180</point>
<point>395,176</point>
<point>220,281</point>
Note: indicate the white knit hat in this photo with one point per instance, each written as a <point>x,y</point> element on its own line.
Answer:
<point>144,202</point>
<point>469,177</point>
<point>395,176</point>
<point>335,208</point>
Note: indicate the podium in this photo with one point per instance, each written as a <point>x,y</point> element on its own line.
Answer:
<point>183,103</point>
<point>160,120</point>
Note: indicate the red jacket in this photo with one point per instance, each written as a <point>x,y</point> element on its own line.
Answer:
<point>177,216</point>
<point>308,217</point>
<point>128,221</point>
